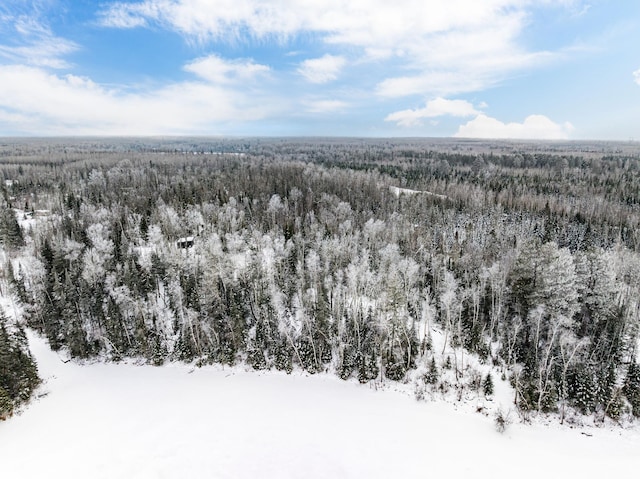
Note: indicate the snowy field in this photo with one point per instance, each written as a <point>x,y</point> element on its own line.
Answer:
<point>128,421</point>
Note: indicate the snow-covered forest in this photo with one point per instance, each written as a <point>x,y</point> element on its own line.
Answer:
<point>378,260</point>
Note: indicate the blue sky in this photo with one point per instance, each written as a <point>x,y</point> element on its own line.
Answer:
<point>549,69</point>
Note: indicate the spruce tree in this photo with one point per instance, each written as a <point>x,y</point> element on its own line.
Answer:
<point>6,404</point>
<point>487,385</point>
<point>10,231</point>
<point>431,376</point>
<point>283,356</point>
<point>18,373</point>
<point>582,390</point>
<point>631,388</point>
<point>368,367</point>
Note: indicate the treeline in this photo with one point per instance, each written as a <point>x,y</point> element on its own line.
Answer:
<point>319,265</point>
<point>18,372</point>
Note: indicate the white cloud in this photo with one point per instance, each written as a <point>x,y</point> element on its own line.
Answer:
<point>219,70</point>
<point>325,106</point>
<point>430,48</point>
<point>32,42</point>
<point>534,127</point>
<point>121,18</point>
<point>636,76</point>
<point>434,108</point>
<point>323,69</point>
<point>371,23</point>
<point>36,101</point>
<point>437,47</point>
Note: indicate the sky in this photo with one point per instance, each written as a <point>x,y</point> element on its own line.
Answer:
<point>526,69</point>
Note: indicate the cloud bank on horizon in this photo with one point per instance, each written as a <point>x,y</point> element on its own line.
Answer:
<point>529,69</point>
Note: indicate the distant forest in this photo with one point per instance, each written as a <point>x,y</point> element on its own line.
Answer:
<point>335,255</point>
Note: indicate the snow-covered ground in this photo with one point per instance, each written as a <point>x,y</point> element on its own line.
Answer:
<point>397,191</point>
<point>129,421</point>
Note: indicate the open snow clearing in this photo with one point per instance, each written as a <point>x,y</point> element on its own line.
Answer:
<point>125,420</point>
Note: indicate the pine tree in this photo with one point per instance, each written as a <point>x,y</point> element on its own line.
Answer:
<point>18,373</point>
<point>431,376</point>
<point>144,228</point>
<point>283,356</point>
<point>605,387</point>
<point>487,385</point>
<point>631,387</point>
<point>582,390</point>
<point>6,404</point>
<point>348,362</point>
<point>307,355</point>
<point>368,367</point>
<point>256,359</point>
<point>10,231</point>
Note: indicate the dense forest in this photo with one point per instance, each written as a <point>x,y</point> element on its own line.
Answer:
<point>346,256</point>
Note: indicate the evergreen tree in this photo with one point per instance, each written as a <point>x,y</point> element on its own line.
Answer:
<point>10,231</point>
<point>349,359</point>
<point>368,367</point>
<point>582,390</point>
<point>144,228</point>
<point>18,373</point>
<point>487,385</point>
<point>631,388</point>
<point>431,377</point>
<point>6,404</point>
<point>283,355</point>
